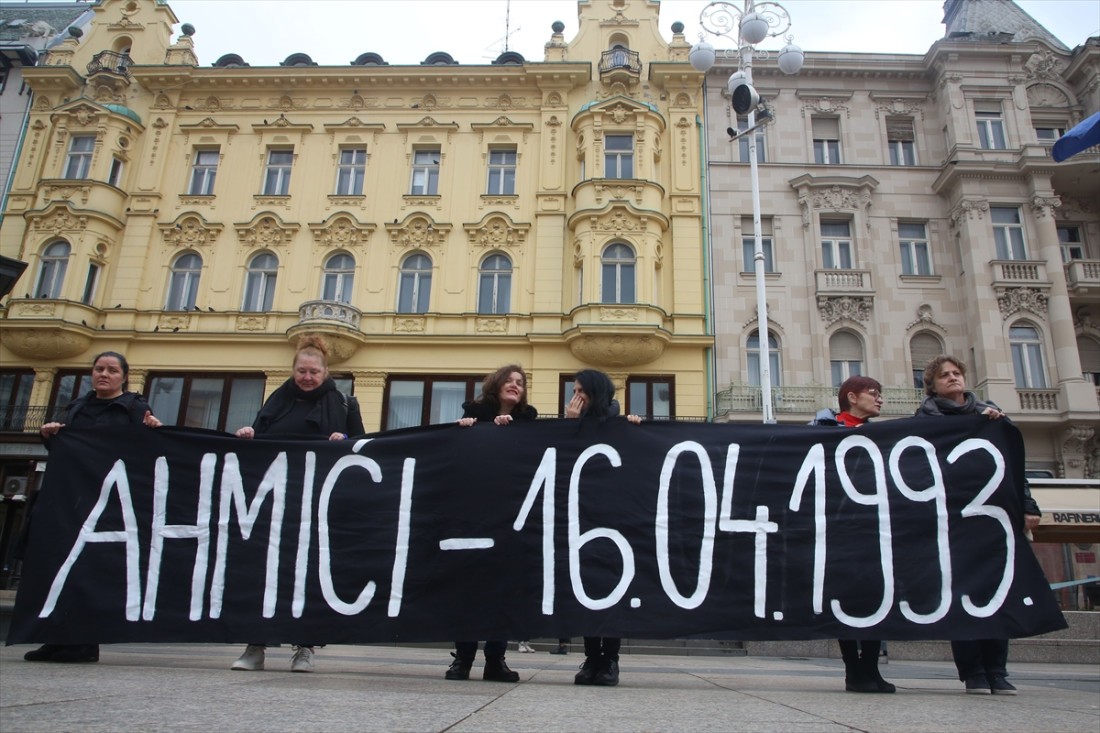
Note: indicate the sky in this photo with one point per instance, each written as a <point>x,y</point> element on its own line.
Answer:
<point>334,32</point>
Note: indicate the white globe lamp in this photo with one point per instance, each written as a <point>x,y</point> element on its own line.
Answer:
<point>790,59</point>
<point>701,56</point>
<point>754,28</point>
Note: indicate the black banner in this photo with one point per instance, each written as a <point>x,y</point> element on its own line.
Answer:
<point>907,529</point>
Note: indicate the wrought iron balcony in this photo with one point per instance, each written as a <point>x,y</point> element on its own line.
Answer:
<point>110,61</point>
<point>620,62</point>
<point>27,418</point>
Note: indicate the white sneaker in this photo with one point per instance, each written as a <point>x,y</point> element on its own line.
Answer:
<point>252,660</point>
<point>302,661</point>
<point>525,647</point>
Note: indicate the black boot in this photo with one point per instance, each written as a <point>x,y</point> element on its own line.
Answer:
<point>496,670</point>
<point>459,669</point>
<point>43,653</point>
<point>587,675</point>
<point>75,653</point>
<point>608,674</point>
<point>873,676</point>
<point>855,674</point>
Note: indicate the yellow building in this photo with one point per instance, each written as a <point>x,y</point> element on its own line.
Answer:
<point>432,221</point>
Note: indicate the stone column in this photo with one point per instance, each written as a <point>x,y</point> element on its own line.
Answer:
<point>1067,360</point>
<point>370,388</point>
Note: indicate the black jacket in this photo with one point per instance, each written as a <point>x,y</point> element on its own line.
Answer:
<point>485,411</point>
<point>333,412</point>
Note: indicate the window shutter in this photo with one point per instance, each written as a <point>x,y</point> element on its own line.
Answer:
<point>899,129</point>
<point>923,348</point>
<point>826,128</point>
<point>845,346</point>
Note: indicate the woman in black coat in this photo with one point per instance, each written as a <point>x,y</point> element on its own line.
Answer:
<point>594,399</point>
<point>503,400</point>
<point>982,663</point>
<point>307,405</point>
<point>107,404</point>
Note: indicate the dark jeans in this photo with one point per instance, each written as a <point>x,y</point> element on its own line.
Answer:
<point>468,649</point>
<point>607,646</point>
<point>980,656</point>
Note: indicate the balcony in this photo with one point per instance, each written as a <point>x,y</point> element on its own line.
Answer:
<point>620,64</point>
<point>1083,278</point>
<point>1038,400</point>
<point>27,418</point>
<point>806,401</point>
<point>843,282</point>
<point>1020,272</point>
<point>110,62</point>
<point>338,322</point>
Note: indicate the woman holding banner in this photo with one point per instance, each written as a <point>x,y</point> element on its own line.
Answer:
<point>982,663</point>
<point>108,404</point>
<point>503,400</point>
<point>594,399</point>
<point>308,405</point>
<point>860,399</point>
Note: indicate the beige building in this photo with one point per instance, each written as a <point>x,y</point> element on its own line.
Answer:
<point>433,221</point>
<point>910,207</point>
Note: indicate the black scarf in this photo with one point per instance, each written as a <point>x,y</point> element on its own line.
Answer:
<point>329,415</point>
<point>939,406</point>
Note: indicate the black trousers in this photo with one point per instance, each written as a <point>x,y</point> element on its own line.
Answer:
<point>468,649</point>
<point>980,656</point>
<point>852,651</point>
<point>607,646</point>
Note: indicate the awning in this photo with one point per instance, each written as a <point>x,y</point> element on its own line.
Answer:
<point>1071,510</point>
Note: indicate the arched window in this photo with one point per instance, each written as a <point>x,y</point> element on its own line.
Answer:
<point>183,284</point>
<point>259,284</point>
<point>338,278</point>
<point>1089,351</point>
<point>51,273</point>
<point>618,274</point>
<point>845,356</point>
<point>923,348</point>
<point>1027,357</point>
<point>415,286</point>
<point>752,357</point>
<point>494,293</point>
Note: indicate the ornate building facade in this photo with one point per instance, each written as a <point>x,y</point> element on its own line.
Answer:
<point>433,221</point>
<point>911,208</point>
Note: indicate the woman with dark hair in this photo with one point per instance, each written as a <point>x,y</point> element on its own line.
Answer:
<point>107,404</point>
<point>503,400</point>
<point>306,405</point>
<point>594,398</point>
<point>982,664</point>
<point>860,399</point>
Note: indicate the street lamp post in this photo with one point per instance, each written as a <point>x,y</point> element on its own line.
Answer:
<point>750,25</point>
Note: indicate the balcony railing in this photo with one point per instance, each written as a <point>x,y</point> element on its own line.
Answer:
<point>620,60</point>
<point>843,282</point>
<point>1083,276</point>
<point>1020,272</point>
<point>116,63</point>
<point>330,311</point>
<point>27,418</point>
<point>897,401</point>
<point>1038,400</point>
